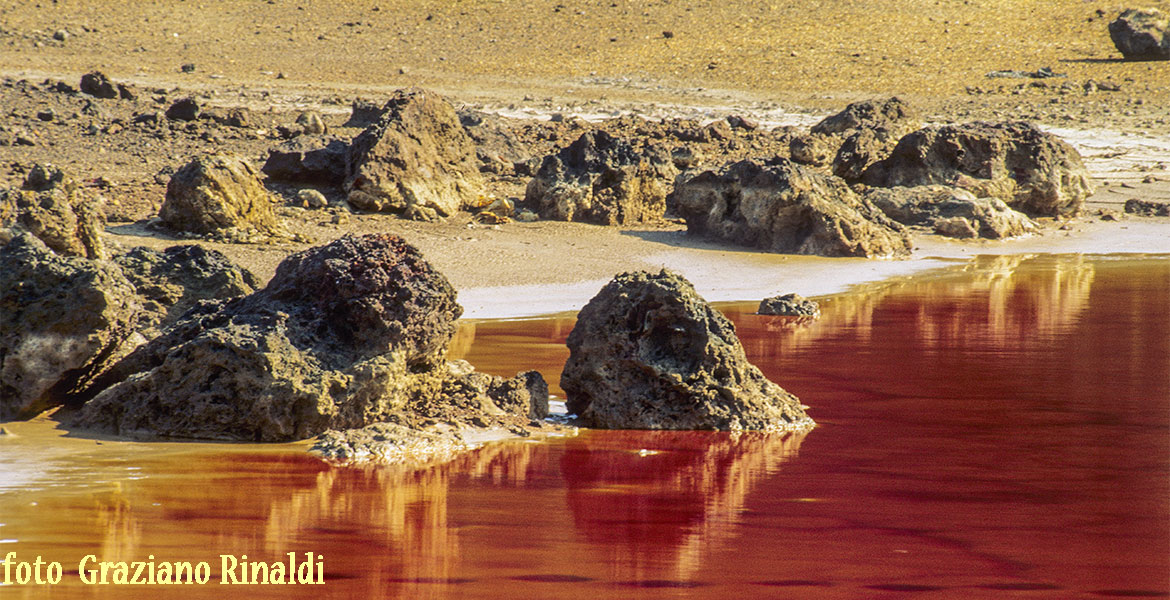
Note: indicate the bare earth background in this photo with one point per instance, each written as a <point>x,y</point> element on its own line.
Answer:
<point>783,62</point>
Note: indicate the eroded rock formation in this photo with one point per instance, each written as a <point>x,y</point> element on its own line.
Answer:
<point>602,179</point>
<point>648,353</point>
<point>783,207</point>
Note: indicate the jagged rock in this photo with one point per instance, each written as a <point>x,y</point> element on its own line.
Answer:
<point>345,335</point>
<point>1142,34</point>
<point>416,155</point>
<point>1147,208</point>
<point>307,161</point>
<point>184,109</point>
<point>926,205</point>
<point>892,114</point>
<point>51,207</point>
<point>783,207</point>
<point>861,134</point>
<point>789,305</point>
<point>218,192</point>
<point>862,149</point>
<point>648,353</point>
<point>173,281</point>
<point>61,319</point>
<point>602,179</point>
<point>96,84</point>
<point>1032,171</point>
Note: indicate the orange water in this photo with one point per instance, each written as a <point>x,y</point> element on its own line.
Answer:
<point>996,431</point>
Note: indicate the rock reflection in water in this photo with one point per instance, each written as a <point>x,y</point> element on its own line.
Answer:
<point>656,503</point>
<point>1010,302</point>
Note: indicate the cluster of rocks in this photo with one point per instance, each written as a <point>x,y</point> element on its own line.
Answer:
<point>72,306</point>
<point>348,341</point>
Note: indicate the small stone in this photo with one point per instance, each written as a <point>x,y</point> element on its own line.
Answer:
<point>789,305</point>
<point>61,35</point>
<point>96,84</point>
<point>311,198</point>
<point>310,122</point>
<point>184,109</point>
<point>46,115</point>
<point>187,68</point>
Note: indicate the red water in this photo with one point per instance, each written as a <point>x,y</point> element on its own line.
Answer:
<point>1000,431</point>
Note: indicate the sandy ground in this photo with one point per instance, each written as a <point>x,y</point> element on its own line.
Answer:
<point>784,63</point>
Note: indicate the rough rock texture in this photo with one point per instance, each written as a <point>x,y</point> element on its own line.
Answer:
<point>51,208</point>
<point>345,335</point>
<point>96,84</point>
<point>61,318</point>
<point>173,281</point>
<point>783,207</point>
<point>389,443</point>
<point>184,109</point>
<point>416,154</point>
<point>926,205</point>
<point>1147,208</point>
<point>602,179</point>
<point>307,161</point>
<point>648,353</point>
<point>218,192</point>
<point>861,134</point>
<point>1142,34</point>
<point>789,305</point>
<point>1032,171</point>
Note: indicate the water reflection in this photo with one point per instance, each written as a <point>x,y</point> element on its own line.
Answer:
<point>656,504</point>
<point>1007,302</point>
<point>1003,428</point>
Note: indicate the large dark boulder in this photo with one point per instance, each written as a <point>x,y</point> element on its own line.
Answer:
<point>929,205</point>
<point>416,159</point>
<point>345,335</point>
<point>173,281</point>
<point>783,207</point>
<point>602,179</point>
<point>61,319</point>
<point>1142,34</point>
<point>216,193</point>
<point>1032,171</point>
<point>648,353</point>
<point>51,207</point>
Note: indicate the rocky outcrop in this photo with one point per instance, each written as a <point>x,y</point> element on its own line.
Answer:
<point>345,335</point>
<point>789,305</point>
<point>648,353</point>
<point>217,193</point>
<point>1142,34</point>
<point>1032,171</point>
<point>307,161</point>
<point>61,319</point>
<point>858,136</point>
<point>173,281</point>
<point>932,205</point>
<point>416,159</point>
<point>783,207</point>
<point>602,179</point>
<point>51,208</point>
